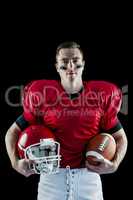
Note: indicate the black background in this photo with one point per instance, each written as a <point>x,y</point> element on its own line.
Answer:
<point>28,52</point>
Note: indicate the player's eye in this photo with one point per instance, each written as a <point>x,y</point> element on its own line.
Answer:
<point>75,60</point>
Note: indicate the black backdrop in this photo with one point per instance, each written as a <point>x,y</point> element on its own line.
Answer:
<point>28,53</point>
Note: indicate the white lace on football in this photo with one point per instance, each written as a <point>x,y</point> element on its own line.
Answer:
<point>95,154</point>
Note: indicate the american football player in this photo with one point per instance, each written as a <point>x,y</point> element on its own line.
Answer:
<point>75,111</point>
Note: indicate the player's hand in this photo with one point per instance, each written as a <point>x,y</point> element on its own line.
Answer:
<point>23,166</point>
<point>104,167</point>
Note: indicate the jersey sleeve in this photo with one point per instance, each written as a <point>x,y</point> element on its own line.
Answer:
<point>30,103</point>
<point>112,105</point>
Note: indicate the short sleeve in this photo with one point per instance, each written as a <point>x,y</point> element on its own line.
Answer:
<point>30,103</point>
<point>112,105</point>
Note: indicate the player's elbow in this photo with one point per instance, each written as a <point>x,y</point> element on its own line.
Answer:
<point>12,132</point>
<point>121,139</point>
<point>8,135</point>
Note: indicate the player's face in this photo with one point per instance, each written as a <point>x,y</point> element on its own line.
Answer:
<point>70,64</point>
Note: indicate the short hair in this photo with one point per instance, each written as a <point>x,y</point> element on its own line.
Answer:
<point>68,44</point>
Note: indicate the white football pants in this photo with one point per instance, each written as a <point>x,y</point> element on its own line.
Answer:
<point>70,184</point>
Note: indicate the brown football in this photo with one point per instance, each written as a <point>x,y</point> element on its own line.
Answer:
<point>101,145</point>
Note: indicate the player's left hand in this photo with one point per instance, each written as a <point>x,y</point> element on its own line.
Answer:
<point>104,167</point>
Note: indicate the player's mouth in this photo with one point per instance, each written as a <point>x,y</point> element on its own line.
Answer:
<point>71,73</point>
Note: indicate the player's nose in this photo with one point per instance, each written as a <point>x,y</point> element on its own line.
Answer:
<point>70,65</point>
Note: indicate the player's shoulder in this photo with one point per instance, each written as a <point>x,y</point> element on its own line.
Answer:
<point>39,85</point>
<point>102,86</point>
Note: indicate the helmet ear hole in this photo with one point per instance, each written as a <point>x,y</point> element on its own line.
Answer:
<point>38,143</point>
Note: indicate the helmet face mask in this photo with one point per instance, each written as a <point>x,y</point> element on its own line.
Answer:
<point>38,143</point>
<point>45,156</point>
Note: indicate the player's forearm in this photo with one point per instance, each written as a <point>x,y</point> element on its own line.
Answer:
<point>11,140</point>
<point>121,142</point>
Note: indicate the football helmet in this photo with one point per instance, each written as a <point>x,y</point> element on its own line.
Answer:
<point>38,143</point>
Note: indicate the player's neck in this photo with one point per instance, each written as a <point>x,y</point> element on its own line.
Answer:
<point>72,86</point>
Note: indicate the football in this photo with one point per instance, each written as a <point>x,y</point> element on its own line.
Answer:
<point>100,146</point>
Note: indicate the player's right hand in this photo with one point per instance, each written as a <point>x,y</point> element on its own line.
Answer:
<point>104,166</point>
<point>23,166</point>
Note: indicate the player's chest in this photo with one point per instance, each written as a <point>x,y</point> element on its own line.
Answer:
<point>73,113</point>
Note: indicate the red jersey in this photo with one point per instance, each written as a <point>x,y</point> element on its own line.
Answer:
<point>73,120</point>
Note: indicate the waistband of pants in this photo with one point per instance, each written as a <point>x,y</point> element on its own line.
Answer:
<point>68,169</point>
